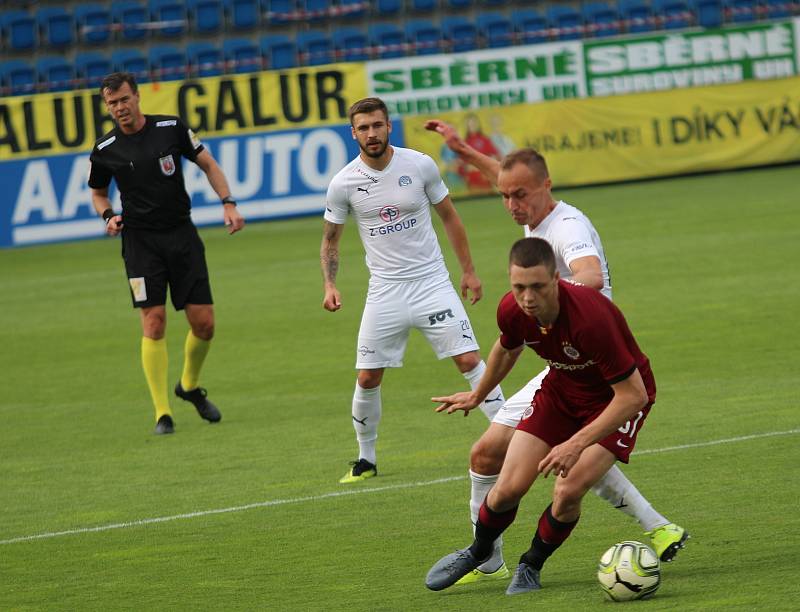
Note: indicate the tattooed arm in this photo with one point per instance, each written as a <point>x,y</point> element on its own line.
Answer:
<point>329,259</point>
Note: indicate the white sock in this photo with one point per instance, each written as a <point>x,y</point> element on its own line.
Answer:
<point>366,416</point>
<point>495,400</point>
<point>620,492</point>
<point>481,485</point>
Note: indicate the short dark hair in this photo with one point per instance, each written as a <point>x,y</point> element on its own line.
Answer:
<point>528,156</point>
<point>367,105</point>
<point>115,80</point>
<point>530,252</point>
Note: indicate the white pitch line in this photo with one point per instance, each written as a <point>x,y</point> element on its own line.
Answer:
<point>359,491</point>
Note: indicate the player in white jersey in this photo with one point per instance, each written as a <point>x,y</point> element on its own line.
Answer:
<point>524,182</point>
<point>389,191</point>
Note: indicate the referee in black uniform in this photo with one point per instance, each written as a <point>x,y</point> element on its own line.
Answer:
<point>160,244</point>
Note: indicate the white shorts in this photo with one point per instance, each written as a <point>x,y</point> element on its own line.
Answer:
<point>430,304</point>
<point>511,412</point>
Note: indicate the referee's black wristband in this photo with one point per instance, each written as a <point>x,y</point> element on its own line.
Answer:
<point>228,200</point>
<point>107,214</point>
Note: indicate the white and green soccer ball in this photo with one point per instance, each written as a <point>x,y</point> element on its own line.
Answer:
<point>629,570</point>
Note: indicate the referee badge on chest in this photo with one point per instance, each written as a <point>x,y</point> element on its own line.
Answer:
<point>167,165</point>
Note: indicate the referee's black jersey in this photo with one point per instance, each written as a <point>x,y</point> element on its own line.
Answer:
<point>147,168</point>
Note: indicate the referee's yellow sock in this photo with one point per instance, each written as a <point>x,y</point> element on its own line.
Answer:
<point>194,354</point>
<point>154,362</point>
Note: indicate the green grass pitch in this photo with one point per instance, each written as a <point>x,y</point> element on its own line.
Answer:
<point>704,268</point>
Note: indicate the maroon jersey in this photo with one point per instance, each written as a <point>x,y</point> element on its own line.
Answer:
<point>589,347</point>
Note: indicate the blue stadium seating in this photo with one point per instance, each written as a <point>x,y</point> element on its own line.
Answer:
<point>314,47</point>
<point>316,10</point>
<point>351,45</point>
<point>242,14</point>
<point>18,77</point>
<point>708,12</point>
<point>389,7</point>
<point>133,61</point>
<point>205,59</point>
<point>637,14</point>
<point>460,32</point>
<point>675,13</point>
<point>55,73</point>
<point>94,23</point>
<point>172,15</point>
<point>168,63</point>
<point>56,27</point>
<point>353,8</point>
<point>495,29</point>
<point>423,6</point>
<point>778,9</point>
<point>741,11</point>
<point>567,20</point>
<point>279,51</point>
<point>19,30</point>
<point>206,16</point>
<point>388,40</point>
<point>131,18</point>
<point>241,55</point>
<point>91,67</point>
<point>459,3</point>
<point>531,26</point>
<point>275,11</point>
<point>424,37</point>
<point>600,19</point>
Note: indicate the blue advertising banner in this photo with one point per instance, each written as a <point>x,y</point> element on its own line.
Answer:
<point>272,175</point>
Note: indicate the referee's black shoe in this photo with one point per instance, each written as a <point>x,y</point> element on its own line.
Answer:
<point>164,425</point>
<point>199,398</point>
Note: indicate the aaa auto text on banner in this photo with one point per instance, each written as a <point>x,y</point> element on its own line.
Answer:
<point>637,136</point>
<point>279,137</point>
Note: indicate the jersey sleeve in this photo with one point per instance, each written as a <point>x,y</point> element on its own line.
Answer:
<point>573,240</point>
<point>99,175</point>
<point>511,336</point>
<point>602,339</point>
<point>337,204</point>
<point>434,185</point>
<point>189,142</point>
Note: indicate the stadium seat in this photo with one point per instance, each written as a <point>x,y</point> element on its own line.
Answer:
<point>460,33</point>
<point>388,40</point>
<point>566,20</point>
<point>530,26</point>
<point>279,11</point>
<point>708,13</point>
<point>55,73</point>
<point>206,16</point>
<point>242,14</point>
<point>495,30</point>
<point>779,9</point>
<point>424,37</point>
<point>601,20</point>
<point>636,14</point>
<point>423,6</point>
<point>241,55</point>
<point>353,8</point>
<point>279,51</point>
<point>131,18</point>
<point>741,11</point>
<point>314,47</point>
<point>19,30</point>
<point>458,4</point>
<point>18,77</point>
<point>389,7</point>
<point>131,60</point>
<point>168,63</point>
<point>351,45</point>
<point>204,58</point>
<point>91,67</point>
<point>674,13</point>
<point>315,10</point>
<point>94,23</point>
<point>168,17</point>
<point>56,27</point>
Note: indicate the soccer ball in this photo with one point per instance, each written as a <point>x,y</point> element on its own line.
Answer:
<point>629,570</point>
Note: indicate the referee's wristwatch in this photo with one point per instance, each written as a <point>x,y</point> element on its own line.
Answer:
<point>108,214</point>
<point>228,200</point>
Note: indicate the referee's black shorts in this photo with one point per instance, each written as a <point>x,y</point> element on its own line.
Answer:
<point>157,258</point>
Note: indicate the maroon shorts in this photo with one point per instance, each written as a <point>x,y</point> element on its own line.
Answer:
<point>552,420</point>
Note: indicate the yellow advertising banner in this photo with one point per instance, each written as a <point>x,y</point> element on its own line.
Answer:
<point>630,137</point>
<point>70,122</point>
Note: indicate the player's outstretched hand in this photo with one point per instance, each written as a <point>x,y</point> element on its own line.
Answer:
<point>333,300</point>
<point>234,221</point>
<point>446,131</point>
<point>561,459</point>
<point>463,400</point>
<point>114,225</point>
<point>471,285</point>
